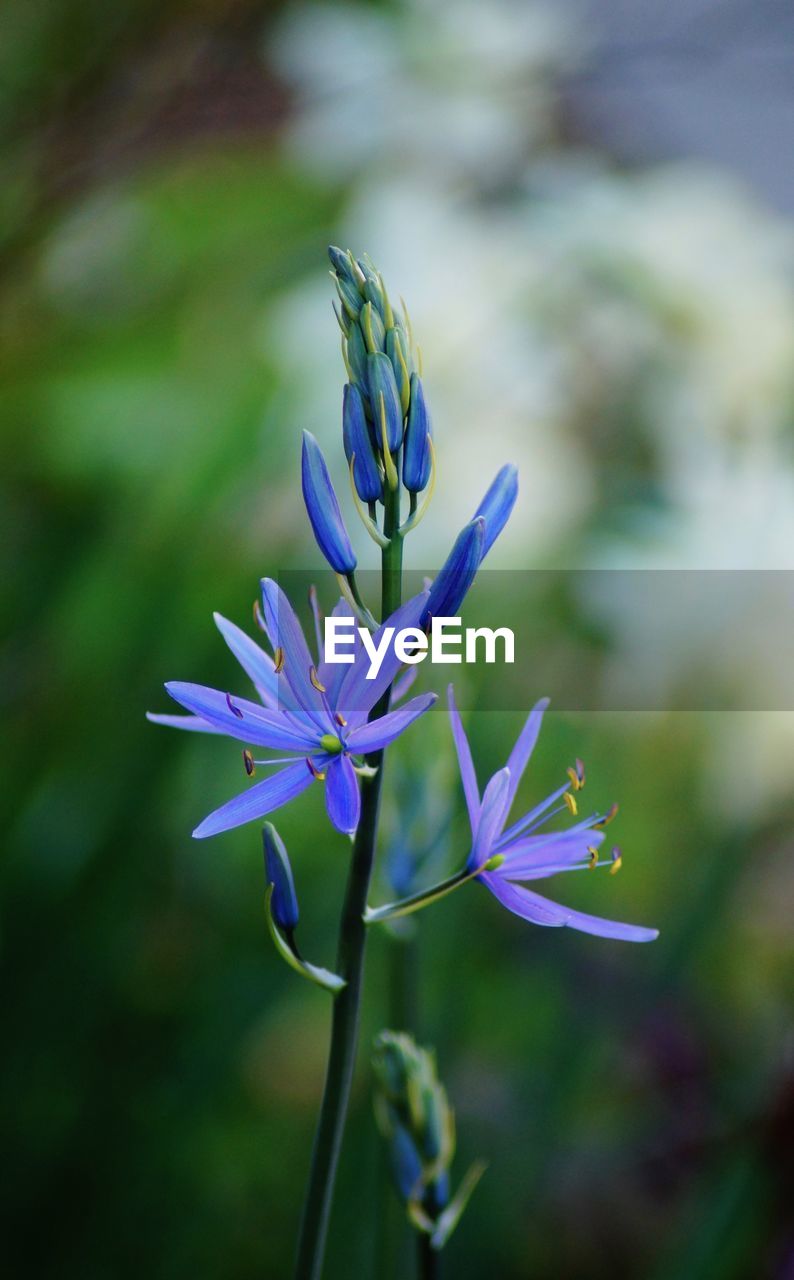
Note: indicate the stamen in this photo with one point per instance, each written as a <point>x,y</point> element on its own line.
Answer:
<point>576,774</point>
<point>314,771</point>
<point>592,861</point>
<point>617,861</point>
<point>570,802</point>
<point>258,619</point>
<point>607,818</point>
<point>340,719</point>
<point>316,680</point>
<point>248,761</point>
<point>234,710</point>
<point>279,660</point>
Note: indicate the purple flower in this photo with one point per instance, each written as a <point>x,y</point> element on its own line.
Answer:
<point>526,850</point>
<point>316,712</point>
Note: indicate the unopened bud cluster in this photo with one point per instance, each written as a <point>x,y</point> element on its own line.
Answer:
<point>384,408</point>
<point>415,1118</point>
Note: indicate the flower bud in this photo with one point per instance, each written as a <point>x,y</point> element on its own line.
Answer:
<point>457,573</point>
<point>416,456</point>
<point>381,383</point>
<point>397,351</point>
<point>349,296</point>
<point>323,508</point>
<point>497,505</point>
<point>372,328</point>
<point>357,355</point>
<point>340,261</point>
<point>358,446</point>
<point>278,872</point>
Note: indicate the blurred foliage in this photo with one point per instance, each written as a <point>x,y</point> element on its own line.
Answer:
<point>161,1070</point>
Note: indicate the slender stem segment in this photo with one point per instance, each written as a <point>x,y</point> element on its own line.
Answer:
<point>428,1258</point>
<point>350,961</point>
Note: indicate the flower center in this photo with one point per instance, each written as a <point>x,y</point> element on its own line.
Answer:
<point>330,743</point>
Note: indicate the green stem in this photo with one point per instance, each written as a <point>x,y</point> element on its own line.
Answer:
<point>350,963</point>
<point>428,1259</point>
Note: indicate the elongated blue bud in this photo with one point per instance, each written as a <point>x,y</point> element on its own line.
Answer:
<point>349,296</point>
<point>323,508</point>
<point>357,354</point>
<point>358,445</point>
<point>339,261</point>
<point>416,456</point>
<point>278,872</point>
<point>457,573</point>
<point>372,328</point>
<point>381,383</point>
<point>497,505</point>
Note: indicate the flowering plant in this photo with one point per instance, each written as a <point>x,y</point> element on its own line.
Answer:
<point>335,723</point>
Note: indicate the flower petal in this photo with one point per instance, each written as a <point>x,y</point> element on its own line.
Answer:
<point>491,819</point>
<point>332,674</point>
<point>357,694</point>
<point>497,505</point>
<point>342,796</point>
<point>403,683</point>
<point>457,572</point>
<point>531,906</point>
<point>257,664</point>
<point>465,763</point>
<point>544,855</point>
<point>379,733</point>
<point>285,632</point>
<point>253,723</point>
<point>525,745</point>
<point>184,722</point>
<point>263,797</point>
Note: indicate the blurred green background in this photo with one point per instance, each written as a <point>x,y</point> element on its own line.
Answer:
<point>623,328</point>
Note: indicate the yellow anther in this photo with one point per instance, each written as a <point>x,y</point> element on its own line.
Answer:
<point>315,679</point>
<point>617,862</point>
<point>570,801</point>
<point>248,761</point>
<point>592,861</point>
<point>575,783</point>
<point>317,773</point>
<point>340,719</point>
<point>278,659</point>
